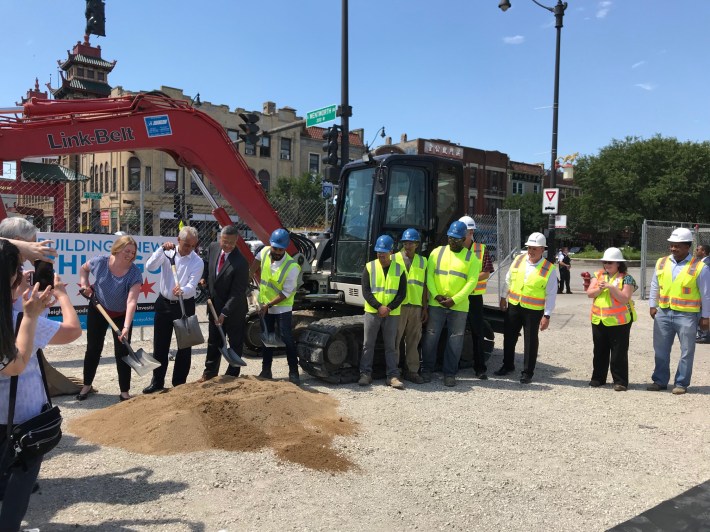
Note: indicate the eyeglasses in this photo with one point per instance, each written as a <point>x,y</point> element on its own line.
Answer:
<point>452,239</point>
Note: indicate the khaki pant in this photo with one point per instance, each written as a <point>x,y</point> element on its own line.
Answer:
<point>410,328</point>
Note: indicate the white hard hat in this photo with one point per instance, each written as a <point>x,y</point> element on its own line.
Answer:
<point>613,254</point>
<point>536,239</point>
<point>681,235</point>
<point>470,222</point>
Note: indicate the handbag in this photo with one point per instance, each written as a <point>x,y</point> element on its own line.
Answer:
<point>36,436</point>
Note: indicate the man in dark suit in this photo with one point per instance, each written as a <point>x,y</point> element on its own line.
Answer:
<point>226,275</point>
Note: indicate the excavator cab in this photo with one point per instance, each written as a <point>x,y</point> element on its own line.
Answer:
<point>387,196</point>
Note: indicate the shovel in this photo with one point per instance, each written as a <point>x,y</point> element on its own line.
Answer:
<point>141,362</point>
<point>187,328</point>
<point>227,352</point>
<point>270,339</point>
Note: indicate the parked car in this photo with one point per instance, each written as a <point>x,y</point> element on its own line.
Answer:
<point>574,250</point>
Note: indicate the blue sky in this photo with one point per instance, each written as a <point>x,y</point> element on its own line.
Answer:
<point>450,69</point>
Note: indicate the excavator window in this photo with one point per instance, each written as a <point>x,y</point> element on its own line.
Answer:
<point>406,198</point>
<point>446,201</point>
<point>351,249</point>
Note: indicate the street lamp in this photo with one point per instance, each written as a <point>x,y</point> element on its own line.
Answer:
<point>559,11</point>
<point>382,134</point>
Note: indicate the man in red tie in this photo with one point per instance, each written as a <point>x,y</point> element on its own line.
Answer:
<point>226,275</point>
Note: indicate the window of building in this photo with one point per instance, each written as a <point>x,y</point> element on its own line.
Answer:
<point>148,178</point>
<point>134,173</point>
<point>89,74</point>
<point>233,135</point>
<point>314,163</point>
<point>106,176</point>
<point>101,178</point>
<point>170,180</point>
<point>536,189</point>
<point>285,152</point>
<point>265,147</point>
<point>114,180</point>
<point>194,189</point>
<point>264,179</point>
<point>80,72</point>
<point>517,187</point>
<point>123,178</point>
<point>92,176</point>
<point>249,148</point>
<point>100,76</point>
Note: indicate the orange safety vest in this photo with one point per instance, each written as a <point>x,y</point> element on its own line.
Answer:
<point>478,251</point>
<point>608,310</point>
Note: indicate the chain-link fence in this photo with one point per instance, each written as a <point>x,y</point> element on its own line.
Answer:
<point>654,245</point>
<point>501,234</point>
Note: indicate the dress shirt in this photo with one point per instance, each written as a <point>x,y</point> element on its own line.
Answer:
<point>703,285</point>
<point>189,270</point>
<point>550,289</point>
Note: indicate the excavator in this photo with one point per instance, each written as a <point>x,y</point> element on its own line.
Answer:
<point>381,194</point>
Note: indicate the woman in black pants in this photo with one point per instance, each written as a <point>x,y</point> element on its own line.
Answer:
<point>118,282</point>
<point>612,314</point>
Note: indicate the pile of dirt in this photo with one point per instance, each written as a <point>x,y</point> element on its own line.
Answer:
<point>233,414</point>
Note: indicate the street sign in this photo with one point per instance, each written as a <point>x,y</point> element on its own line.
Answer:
<point>327,190</point>
<point>92,195</point>
<point>326,114</point>
<point>550,200</point>
<point>561,221</point>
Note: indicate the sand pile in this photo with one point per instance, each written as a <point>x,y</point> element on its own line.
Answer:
<point>244,414</point>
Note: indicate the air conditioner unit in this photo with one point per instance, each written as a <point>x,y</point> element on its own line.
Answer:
<point>113,195</point>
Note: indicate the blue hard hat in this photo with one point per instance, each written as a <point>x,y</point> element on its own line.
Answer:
<point>384,244</point>
<point>280,239</point>
<point>457,229</point>
<point>410,235</point>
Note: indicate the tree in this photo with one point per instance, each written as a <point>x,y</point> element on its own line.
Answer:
<point>304,187</point>
<point>531,217</point>
<point>632,179</point>
<point>299,201</point>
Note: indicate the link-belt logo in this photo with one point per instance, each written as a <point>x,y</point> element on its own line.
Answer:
<point>96,138</point>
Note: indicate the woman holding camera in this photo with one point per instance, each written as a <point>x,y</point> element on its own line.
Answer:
<point>612,314</point>
<point>116,287</point>
<point>16,483</point>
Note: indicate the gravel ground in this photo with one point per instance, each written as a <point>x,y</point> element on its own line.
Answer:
<point>486,455</point>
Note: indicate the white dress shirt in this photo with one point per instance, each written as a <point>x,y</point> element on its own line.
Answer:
<point>189,271</point>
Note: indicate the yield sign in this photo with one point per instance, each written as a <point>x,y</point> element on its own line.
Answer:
<point>550,200</point>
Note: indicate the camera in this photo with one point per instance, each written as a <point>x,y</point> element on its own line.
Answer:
<point>44,274</point>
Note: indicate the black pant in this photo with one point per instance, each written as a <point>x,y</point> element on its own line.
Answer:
<point>475,323</point>
<point>165,313</point>
<point>516,318</point>
<point>15,486</point>
<point>611,344</point>
<point>564,280</point>
<point>233,327</point>
<point>96,327</point>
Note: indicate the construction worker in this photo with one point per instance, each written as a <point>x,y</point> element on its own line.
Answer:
<point>528,298</point>
<point>384,287</point>
<point>679,301</point>
<point>452,275</point>
<point>277,289</point>
<point>414,310</point>
<point>475,300</point>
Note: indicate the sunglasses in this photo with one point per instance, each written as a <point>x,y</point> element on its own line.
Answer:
<point>452,239</point>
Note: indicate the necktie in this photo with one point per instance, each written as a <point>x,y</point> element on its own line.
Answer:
<point>221,262</point>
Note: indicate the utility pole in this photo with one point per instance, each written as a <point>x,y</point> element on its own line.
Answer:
<point>345,110</point>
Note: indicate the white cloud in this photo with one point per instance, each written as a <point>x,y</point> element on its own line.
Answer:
<point>516,39</point>
<point>603,9</point>
<point>636,65</point>
<point>646,86</point>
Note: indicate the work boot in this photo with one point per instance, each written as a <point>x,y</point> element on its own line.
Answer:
<point>450,381</point>
<point>504,371</point>
<point>426,376</point>
<point>365,379</point>
<point>413,376</point>
<point>265,374</point>
<point>294,378</point>
<point>679,390</point>
<point>655,387</point>
<point>395,383</point>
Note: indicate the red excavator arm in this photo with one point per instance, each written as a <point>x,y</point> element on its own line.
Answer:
<point>146,121</point>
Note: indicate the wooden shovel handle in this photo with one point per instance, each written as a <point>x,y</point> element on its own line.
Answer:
<point>212,310</point>
<point>172,267</point>
<point>108,319</point>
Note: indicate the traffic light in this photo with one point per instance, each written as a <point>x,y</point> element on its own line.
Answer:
<point>189,211</point>
<point>177,206</point>
<point>95,17</point>
<point>331,146</point>
<point>249,127</point>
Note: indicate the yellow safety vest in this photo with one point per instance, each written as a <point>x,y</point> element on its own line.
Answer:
<point>272,284</point>
<point>416,278</point>
<point>478,251</point>
<point>448,275</point>
<point>384,288</point>
<point>681,294</point>
<point>608,310</point>
<point>531,294</point>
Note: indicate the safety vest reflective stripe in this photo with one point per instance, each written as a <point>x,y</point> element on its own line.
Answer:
<point>438,269</point>
<point>520,298</point>
<point>383,287</point>
<point>416,283</point>
<point>479,251</point>
<point>608,310</point>
<point>271,283</point>
<point>416,278</point>
<point>529,293</point>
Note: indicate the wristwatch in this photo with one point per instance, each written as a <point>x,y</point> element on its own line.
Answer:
<point>546,316</point>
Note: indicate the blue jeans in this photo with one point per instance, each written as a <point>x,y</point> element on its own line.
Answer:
<point>666,325</point>
<point>282,324</point>
<point>455,323</point>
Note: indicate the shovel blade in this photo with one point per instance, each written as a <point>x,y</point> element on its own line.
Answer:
<point>188,332</point>
<point>141,362</point>
<point>272,340</point>
<point>232,357</point>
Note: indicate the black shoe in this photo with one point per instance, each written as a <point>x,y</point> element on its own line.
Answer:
<point>482,376</point>
<point>525,379</point>
<point>503,371</point>
<point>294,378</point>
<point>265,375</point>
<point>569,292</point>
<point>153,388</point>
<point>233,371</point>
<point>595,384</point>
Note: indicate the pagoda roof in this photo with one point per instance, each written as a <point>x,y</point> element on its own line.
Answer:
<point>49,172</point>
<point>81,59</point>
<point>83,85</point>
